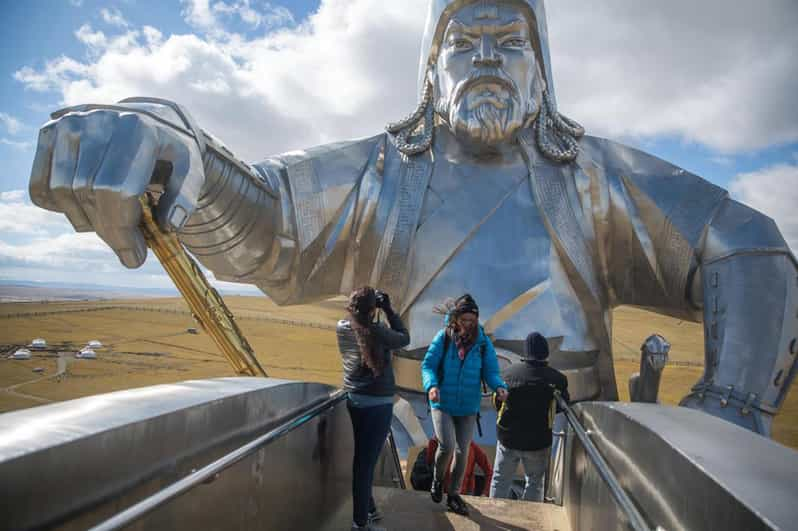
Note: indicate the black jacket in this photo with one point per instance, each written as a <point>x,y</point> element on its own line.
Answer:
<point>357,377</point>
<point>525,418</point>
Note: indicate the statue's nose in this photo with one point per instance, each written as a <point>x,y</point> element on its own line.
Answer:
<point>486,54</point>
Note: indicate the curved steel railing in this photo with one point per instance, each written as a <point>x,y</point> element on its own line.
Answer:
<point>636,520</point>
<point>210,471</point>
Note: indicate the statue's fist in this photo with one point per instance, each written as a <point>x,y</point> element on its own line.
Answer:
<point>94,162</point>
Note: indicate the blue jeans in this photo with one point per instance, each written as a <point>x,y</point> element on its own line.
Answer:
<point>534,463</point>
<point>370,426</point>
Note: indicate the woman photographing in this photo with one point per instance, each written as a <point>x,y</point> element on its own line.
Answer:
<point>366,347</point>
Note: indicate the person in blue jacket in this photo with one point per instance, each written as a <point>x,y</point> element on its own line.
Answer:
<point>459,358</point>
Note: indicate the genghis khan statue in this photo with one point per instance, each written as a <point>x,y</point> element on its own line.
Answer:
<point>485,188</point>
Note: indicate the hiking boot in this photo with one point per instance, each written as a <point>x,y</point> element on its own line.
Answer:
<point>436,492</point>
<point>456,504</point>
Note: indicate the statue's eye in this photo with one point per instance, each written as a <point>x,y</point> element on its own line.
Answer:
<point>514,42</point>
<point>461,44</point>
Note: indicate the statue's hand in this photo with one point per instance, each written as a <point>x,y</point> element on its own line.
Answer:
<point>94,162</point>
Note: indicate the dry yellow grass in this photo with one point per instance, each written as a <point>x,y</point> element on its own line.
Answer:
<point>151,347</point>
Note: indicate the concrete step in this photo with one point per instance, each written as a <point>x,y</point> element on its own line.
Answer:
<point>414,511</point>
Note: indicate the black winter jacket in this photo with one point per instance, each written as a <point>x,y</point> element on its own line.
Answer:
<point>525,418</point>
<point>357,377</point>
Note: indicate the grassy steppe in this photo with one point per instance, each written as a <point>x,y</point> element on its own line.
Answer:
<point>151,347</point>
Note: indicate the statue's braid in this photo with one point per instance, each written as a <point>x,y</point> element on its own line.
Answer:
<point>557,134</point>
<point>407,126</point>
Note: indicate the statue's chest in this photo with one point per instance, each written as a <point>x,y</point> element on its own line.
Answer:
<point>484,236</point>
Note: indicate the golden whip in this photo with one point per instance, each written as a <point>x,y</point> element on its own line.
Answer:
<point>203,300</point>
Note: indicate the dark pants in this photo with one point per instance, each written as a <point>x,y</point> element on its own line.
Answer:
<point>370,426</point>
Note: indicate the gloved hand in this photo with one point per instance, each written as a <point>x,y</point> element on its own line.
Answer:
<point>384,302</point>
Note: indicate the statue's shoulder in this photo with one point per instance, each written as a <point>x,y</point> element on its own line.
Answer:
<point>647,171</point>
<point>345,158</point>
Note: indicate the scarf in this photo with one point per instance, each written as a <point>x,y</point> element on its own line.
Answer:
<point>464,345</point>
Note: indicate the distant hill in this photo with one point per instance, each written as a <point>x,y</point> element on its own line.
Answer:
<point>21,291</point>
<point>27,291</point>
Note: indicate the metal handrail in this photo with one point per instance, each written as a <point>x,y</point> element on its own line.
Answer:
<point>396,463</point>
<point>636,519</point>
<point>210,471</point>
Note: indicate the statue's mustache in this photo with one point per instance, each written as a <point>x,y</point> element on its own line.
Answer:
<point>493,76</point>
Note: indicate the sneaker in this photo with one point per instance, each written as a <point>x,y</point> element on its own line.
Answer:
<point>436,492</point>
<point>374,515</point>
<point>367,527</point>
<point>456,504</point>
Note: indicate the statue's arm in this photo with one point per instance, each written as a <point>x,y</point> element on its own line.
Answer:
<point>747,286</point>
<point>283,224</point>
<point>678,245</point>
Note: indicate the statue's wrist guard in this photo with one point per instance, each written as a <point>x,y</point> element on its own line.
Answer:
<point>750,327</point>
<point>235,230</point>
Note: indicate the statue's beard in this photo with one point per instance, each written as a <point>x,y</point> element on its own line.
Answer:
<point>485,110</point>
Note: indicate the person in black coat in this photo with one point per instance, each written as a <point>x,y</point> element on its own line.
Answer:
<point>525,419</point>
<point>366,347</point>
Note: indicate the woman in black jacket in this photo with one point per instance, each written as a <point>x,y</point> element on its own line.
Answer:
<point>366,348</point>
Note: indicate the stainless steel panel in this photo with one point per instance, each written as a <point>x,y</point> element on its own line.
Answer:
<point>73,464</point>
<point>670,461</point>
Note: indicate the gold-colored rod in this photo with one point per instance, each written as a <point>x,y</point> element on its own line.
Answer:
<point>203,300</point>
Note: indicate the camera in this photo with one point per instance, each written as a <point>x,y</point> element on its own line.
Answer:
<point>383,301</point>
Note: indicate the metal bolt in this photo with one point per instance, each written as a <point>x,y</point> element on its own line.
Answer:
<point>748,402</point>
<point>724,401</point>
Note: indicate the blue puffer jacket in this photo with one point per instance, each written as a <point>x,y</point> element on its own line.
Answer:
<point>461,389</point>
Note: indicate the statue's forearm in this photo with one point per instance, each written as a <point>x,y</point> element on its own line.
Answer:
<point>237,229</point>
<point>749,281</point>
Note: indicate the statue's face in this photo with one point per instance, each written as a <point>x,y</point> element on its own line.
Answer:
<point>486,75</point>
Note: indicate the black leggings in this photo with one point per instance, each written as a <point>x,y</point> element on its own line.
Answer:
<point>370,426</point>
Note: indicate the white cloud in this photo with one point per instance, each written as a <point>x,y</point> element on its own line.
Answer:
<point>773,191</point>
<point>92,39</point>
<point>211,16</point>
<point>19,216</point>
<point>17,144</point>
<point>12,125</point>
<point>198,13</point>
<point>721,74</point>
<point>152,35</point>
<point>33,237</point>
<point>76,3</point>
<point>56,74</point>
<point>113,17</point>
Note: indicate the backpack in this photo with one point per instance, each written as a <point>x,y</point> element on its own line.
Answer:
<point>422,473</point>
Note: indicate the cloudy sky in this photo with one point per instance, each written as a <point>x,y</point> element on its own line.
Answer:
<point>707,85</point>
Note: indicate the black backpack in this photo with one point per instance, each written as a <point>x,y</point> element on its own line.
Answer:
<point>422,473</point>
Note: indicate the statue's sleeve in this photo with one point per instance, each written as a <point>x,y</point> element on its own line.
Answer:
<point>673,243</point>
<point>285,224</point>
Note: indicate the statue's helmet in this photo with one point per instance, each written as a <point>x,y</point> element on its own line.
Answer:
<point>555,135</point>
<point>441,11</point>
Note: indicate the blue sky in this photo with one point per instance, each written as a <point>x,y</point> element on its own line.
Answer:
<point>706,87</point>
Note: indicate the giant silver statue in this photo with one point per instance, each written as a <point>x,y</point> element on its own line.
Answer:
<point>484,188</point>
